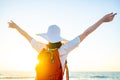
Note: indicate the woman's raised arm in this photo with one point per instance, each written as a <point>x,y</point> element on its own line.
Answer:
<point>21,31</point>
<point>106,18</point>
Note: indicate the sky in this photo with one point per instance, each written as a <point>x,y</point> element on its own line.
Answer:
<point>100,51</point>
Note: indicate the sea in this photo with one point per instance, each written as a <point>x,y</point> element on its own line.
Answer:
<point>26,75</point>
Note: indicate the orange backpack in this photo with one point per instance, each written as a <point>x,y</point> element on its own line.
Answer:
<point>49,65</point>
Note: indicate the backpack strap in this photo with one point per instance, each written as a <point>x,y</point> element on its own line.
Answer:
<point>67,70</point>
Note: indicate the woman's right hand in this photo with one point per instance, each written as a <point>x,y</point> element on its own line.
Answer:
<point>109,17</point>
<point>12,24</point>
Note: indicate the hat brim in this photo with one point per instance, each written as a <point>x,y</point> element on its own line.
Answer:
<point>51,38</point>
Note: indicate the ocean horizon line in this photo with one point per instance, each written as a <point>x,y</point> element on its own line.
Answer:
<point>72,76</point>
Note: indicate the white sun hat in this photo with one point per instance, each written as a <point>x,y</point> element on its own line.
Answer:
<point>52,35</point>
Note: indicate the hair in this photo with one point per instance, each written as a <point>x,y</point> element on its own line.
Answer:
<point>54,45</point>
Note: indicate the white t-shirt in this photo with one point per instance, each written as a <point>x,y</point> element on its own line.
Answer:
<point>63,50</point>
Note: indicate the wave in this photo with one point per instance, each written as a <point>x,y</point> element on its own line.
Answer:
<point>16,77</point>
<point>100,77</point>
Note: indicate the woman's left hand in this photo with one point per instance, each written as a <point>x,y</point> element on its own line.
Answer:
<point>12,24</point>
